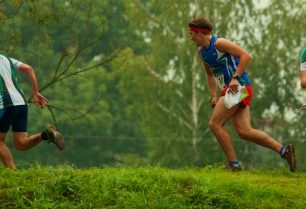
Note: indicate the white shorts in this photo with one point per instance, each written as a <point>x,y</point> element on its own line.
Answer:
<point>303,66</point>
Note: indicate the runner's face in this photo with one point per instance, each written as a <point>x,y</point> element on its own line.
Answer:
<point>195,37</point>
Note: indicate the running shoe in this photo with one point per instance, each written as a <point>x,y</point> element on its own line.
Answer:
<point>289,155</point>
<point>55,137</point>
<point>233,167</point>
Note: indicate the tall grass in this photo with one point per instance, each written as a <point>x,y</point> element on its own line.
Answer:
<point>150,188</point>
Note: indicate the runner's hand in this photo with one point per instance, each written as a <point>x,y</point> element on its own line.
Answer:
<point>303,107</point>
<point>233,86</point>
<point>213,101</point>
<point>39,99</point>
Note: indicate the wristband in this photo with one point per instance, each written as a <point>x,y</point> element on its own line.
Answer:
<point>211,104</point>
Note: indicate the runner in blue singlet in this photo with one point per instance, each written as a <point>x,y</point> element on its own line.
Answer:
<point>225,64</point>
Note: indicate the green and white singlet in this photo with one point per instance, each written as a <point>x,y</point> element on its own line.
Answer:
<point>10,92</point>
<point>303,59</point>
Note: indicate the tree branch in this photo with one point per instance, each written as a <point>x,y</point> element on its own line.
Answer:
<point>175,116</point>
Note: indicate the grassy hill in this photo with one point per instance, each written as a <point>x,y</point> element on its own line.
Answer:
<point>150,188</point>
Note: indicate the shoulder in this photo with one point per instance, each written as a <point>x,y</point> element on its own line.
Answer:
<point>14,62</point>
<point>223,44</point>
<point>4,59</point>
<point>223,41</point>
<point>7,58</point>
<point>303,50</point>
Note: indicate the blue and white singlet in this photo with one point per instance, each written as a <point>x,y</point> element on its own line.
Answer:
<point>222,64</point>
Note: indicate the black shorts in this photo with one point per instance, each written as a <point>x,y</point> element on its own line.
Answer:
<point>15,116</point>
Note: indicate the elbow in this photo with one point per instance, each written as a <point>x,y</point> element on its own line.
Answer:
<point>29,68</point>
<point>249,57</point>
<point>245,57</point>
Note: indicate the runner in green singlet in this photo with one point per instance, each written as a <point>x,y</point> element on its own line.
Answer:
<point>303,71</point>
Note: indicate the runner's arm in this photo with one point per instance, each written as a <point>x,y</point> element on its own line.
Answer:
<point>211,81</point>
<point>31,74</point>
<point>225,45</point>
<point>212,85</point>
<point>39,99</point>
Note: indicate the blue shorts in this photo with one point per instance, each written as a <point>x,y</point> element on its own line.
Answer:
<point>15,116</point>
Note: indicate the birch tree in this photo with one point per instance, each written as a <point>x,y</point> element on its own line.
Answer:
<point>178,98</point>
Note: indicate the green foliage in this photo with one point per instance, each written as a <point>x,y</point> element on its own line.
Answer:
<point>61,39</point>
<point>67,187</point>
<point>150,104</point>
<point>177,115</point>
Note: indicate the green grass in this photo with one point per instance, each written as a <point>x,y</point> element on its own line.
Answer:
<point>150,188</point>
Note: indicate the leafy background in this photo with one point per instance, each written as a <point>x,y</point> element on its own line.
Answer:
<point>126,88</point>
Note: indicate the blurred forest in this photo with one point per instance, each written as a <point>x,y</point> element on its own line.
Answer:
<point>126,87</point>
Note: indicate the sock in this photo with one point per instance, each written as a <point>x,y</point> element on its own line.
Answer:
<point>45,135</point>
<point>282,150</point>
<point>234,162</point>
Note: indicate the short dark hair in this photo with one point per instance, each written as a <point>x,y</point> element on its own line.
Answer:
<point>201,23</point>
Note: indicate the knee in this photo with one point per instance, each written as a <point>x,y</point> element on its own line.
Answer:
<point>213,126</point>
<point>19,145</point>
<point>243,133</point>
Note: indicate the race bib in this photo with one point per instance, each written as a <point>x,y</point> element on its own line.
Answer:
<point>220,81</point>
